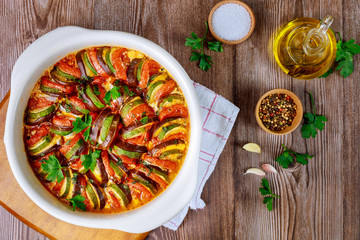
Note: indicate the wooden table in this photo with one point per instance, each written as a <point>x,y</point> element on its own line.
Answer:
<point>318,201</point>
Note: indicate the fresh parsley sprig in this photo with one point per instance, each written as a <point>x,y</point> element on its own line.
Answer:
<point>197,43</point>
<point>80,125</point>
<point>344,57</point>
<point>287,157</point>
<point>53,168</point>
<point>78,202</point>
<point>312,122</point>
<point>265,190</point>
<point>89,160</point>
<point>113,94</point>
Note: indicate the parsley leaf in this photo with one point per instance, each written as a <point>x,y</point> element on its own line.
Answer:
<point>78,202</point>
<point>215,46</point>
<point>312,122</point>
<point>265,190</point>
<point>89,160</point>
<point>96,90</point>
<point>287,157</point>
<point>194,42</point>
<point>113,93</point>
<point>53,168</point>
<point>144,119</point>
<point>197,43</point>
<point>80,125</point>
<point>344,57</point>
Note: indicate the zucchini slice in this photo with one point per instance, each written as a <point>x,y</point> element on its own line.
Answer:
<point>89,68</point>
<point>132,103</point>
<point>118,171</point>
<point>45,144</point>
<point>74,149</point>
<point>68,184</point>
<point>91,192</point>
<point>154,86</point>
<point>90,93</point>
<point>107,56</point>
<point>119,151</point>
<point>118,193</point>
<point>41,112</point>
<point>105,128</point>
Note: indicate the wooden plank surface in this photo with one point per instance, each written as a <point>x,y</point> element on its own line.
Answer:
<point>318,201</point>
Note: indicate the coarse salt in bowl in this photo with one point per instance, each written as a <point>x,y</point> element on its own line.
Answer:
<point>231,22</point>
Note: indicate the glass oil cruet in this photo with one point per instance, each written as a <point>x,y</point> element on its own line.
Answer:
<point>305,48</point>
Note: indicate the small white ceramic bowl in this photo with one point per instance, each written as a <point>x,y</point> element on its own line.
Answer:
<point>38,57</point>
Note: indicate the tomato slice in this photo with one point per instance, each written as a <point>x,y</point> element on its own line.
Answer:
<point>69,70</point>
<point>167,164</point>
<point>37,135</point>
<point>77,102</point>
<point>64,89</point>
<point>67,146</point>
<point>177,110</point>
<point>76,165</point>
<point>38,102</point>
<point>62,121</point>
<point>118,63</point>
<point>127,160</point>
<point>99,80</point>
<point>152,176</point>
<point>102,91</point>
<point>93,58</point>
<point>58,186</point>
<point>149,68</point>
<point>115,201</point>
<point>145,193</point>
<point>106,162</point>
<point>137,112</point>
<point>165,90</point>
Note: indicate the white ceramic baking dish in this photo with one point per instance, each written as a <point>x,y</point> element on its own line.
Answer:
<point>39,56</point>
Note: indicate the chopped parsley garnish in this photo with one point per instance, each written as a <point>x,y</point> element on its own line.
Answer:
<point>78,202</point>
<point>89,160</point>
<point>113,94</point>
<point>80,125</point>
<point>53,168</point>
<point>144,119</point>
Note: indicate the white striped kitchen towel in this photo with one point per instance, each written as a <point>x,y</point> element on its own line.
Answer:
<point>218,116</point>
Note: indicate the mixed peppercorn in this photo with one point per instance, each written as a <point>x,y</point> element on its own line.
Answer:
<point>277,111</point>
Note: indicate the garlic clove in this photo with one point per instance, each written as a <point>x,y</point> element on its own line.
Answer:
<point>269,168</point>
<point>255,171</point>
<point>252,147</point>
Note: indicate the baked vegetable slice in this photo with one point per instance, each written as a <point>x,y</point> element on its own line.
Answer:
<point>170,150</point>
<point>51,87</point>
<point>134,109</point>
<point>61,125</point>
<point>132,151</point>
<point>170,127</point>
<point>39,110</point>
<point>118,193</point>
<point>70,147</point>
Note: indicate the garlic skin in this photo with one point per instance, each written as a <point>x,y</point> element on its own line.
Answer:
<point>269,168</point>
<point>255,171</point>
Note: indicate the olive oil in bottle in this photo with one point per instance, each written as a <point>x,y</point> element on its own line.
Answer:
<point>305,48</point>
